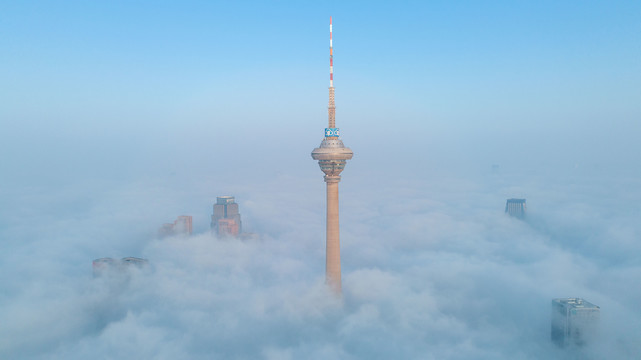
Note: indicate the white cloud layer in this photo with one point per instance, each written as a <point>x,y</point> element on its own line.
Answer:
<point>432,269</point>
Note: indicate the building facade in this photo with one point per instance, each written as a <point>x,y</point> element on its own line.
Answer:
<point>226,218</point>
<point>181,226</point>
<point>574,322</point>
<point>515,207</point>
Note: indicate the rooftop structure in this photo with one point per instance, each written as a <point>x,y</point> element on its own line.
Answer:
<point>226,219</point>
<point>574,321</point>
<point>225,200</point>
<point>106,266</point>
<point>515,207</point>
<point>332,156</point>
<point>103,265</point>
<point>134,261</point>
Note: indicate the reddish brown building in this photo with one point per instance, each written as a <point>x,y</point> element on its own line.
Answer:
<point>182,226</point>
<point>226,219</point>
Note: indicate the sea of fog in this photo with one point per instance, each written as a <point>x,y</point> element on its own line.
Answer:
<point>432,268</point>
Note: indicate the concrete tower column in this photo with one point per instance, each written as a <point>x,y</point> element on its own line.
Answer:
<point>333,260</point>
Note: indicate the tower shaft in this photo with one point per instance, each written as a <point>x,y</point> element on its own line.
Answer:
<point>333,246</point>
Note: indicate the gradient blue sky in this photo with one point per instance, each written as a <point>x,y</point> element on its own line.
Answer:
<point>143,80</point>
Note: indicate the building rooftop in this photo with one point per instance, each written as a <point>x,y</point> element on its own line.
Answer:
<point>516,201</point>
<point>223,200</point>
<point>134,260</point>
<point>575,303</point>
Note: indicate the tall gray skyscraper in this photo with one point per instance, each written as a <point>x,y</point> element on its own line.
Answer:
<point>574,321</point>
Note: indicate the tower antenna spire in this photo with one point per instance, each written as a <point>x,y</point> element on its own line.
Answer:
<point>331,56</point>
<point>332,105</point>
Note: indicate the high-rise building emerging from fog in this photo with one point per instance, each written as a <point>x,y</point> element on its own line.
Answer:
<point>226,219</point>
<point>181,226</point>
<point>110,266</point>
<point>515,207</point>
<point>332,156</point>
<point>184,225</point>
<point>574,321</point>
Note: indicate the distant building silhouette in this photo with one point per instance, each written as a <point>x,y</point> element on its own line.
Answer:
<point>103,265</point>
<point>107,266</point>
<point>226,219</point>
<point>134,261</point>
<point>181,226</point>
<point>574,321</point>
<point>515,207</point>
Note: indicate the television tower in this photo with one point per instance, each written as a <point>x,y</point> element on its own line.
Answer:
<point>332,156</point>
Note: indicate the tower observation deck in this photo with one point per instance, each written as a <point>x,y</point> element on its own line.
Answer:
<point>332,156</point>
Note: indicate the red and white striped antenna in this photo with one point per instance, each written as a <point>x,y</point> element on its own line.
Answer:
<point>331,56</point>
<point>332,107</point>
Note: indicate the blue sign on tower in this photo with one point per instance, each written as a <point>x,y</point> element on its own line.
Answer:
<point>332,132</point>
